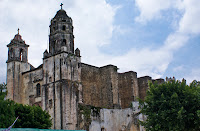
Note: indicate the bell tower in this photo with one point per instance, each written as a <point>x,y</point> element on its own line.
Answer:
<point>16,64</point>
<point>17,49</point>
<point>62,88</point>
<point>61,36</point>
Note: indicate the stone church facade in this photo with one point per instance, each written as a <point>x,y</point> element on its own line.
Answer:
<point>62,82</point>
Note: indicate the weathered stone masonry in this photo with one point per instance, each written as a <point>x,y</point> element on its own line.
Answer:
<point>62,82</point>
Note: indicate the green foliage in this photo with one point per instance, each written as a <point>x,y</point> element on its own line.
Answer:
<point>7,114</point>
<point>29,116</point>
<point>2,91</point>
<point>6,108</point>
<point>87,111</point>
<point>172,106</point>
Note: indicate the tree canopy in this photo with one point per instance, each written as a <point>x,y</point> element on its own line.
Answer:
<point>7,113</point>
<point>172,106</point>
<point>29,116</point>
<point>2,91</point>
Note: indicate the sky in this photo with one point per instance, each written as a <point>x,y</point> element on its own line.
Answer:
<point>156,38</point>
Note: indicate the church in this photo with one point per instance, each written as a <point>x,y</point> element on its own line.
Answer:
<point>64,86</point>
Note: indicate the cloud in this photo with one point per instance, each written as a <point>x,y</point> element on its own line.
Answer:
<point>175,41</point>
<point>178,68</point>
<point>92,20</point>
<point>189,23</point>
<point>187,27</point>
<point>94,26</point>
<point>152,9</point>
<point>193,75</point>
<point>32,17</point>
<point>146,61</point>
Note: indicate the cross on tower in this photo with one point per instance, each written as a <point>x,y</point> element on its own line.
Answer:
<point>18,30</point>
<point>61,5</point>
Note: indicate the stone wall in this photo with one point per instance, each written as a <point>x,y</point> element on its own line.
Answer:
<point>117,119</point>
<point>128,88</point>
<point>14,79</point>
<point>61,89</point>
<point>30,79</point>
<point>100,85</point>
<point>105,87</point>
<point>143,86</point>
<point>112,120</point>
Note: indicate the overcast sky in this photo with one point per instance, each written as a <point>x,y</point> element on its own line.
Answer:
<point>157,38</point>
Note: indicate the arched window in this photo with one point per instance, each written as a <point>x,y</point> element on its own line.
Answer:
<point>38,90</point>
<point>64,42</point>
<point>53,46</point>
<point>11,53</point>
<point>54,29</point>
<point>21,54</point>
<point>63,27</point>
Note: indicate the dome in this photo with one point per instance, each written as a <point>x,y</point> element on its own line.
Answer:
<point>18,37</point>
<point>61,13</point>
<point>17,40</point>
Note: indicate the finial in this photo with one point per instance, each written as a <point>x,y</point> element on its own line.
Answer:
<point>18,31</point>
<point>61,5</point>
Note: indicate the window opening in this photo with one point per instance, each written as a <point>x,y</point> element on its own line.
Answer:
<point>11,53</point>
<point>64,42</point>
<point>38,93</point>
<point>21,55</point>
<point>64,27</point>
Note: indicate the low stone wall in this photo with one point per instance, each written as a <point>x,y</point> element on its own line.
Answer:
<point>118,119</point>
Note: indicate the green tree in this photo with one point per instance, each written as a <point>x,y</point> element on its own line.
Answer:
<point>172,106</point>
<point>7,114</point>
<point>6,108</point>
<point>29,116</point>
<point>2,91</point>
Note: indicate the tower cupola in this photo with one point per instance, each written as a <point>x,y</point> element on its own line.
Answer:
<point>61,36</point>
<point>17,49</point>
